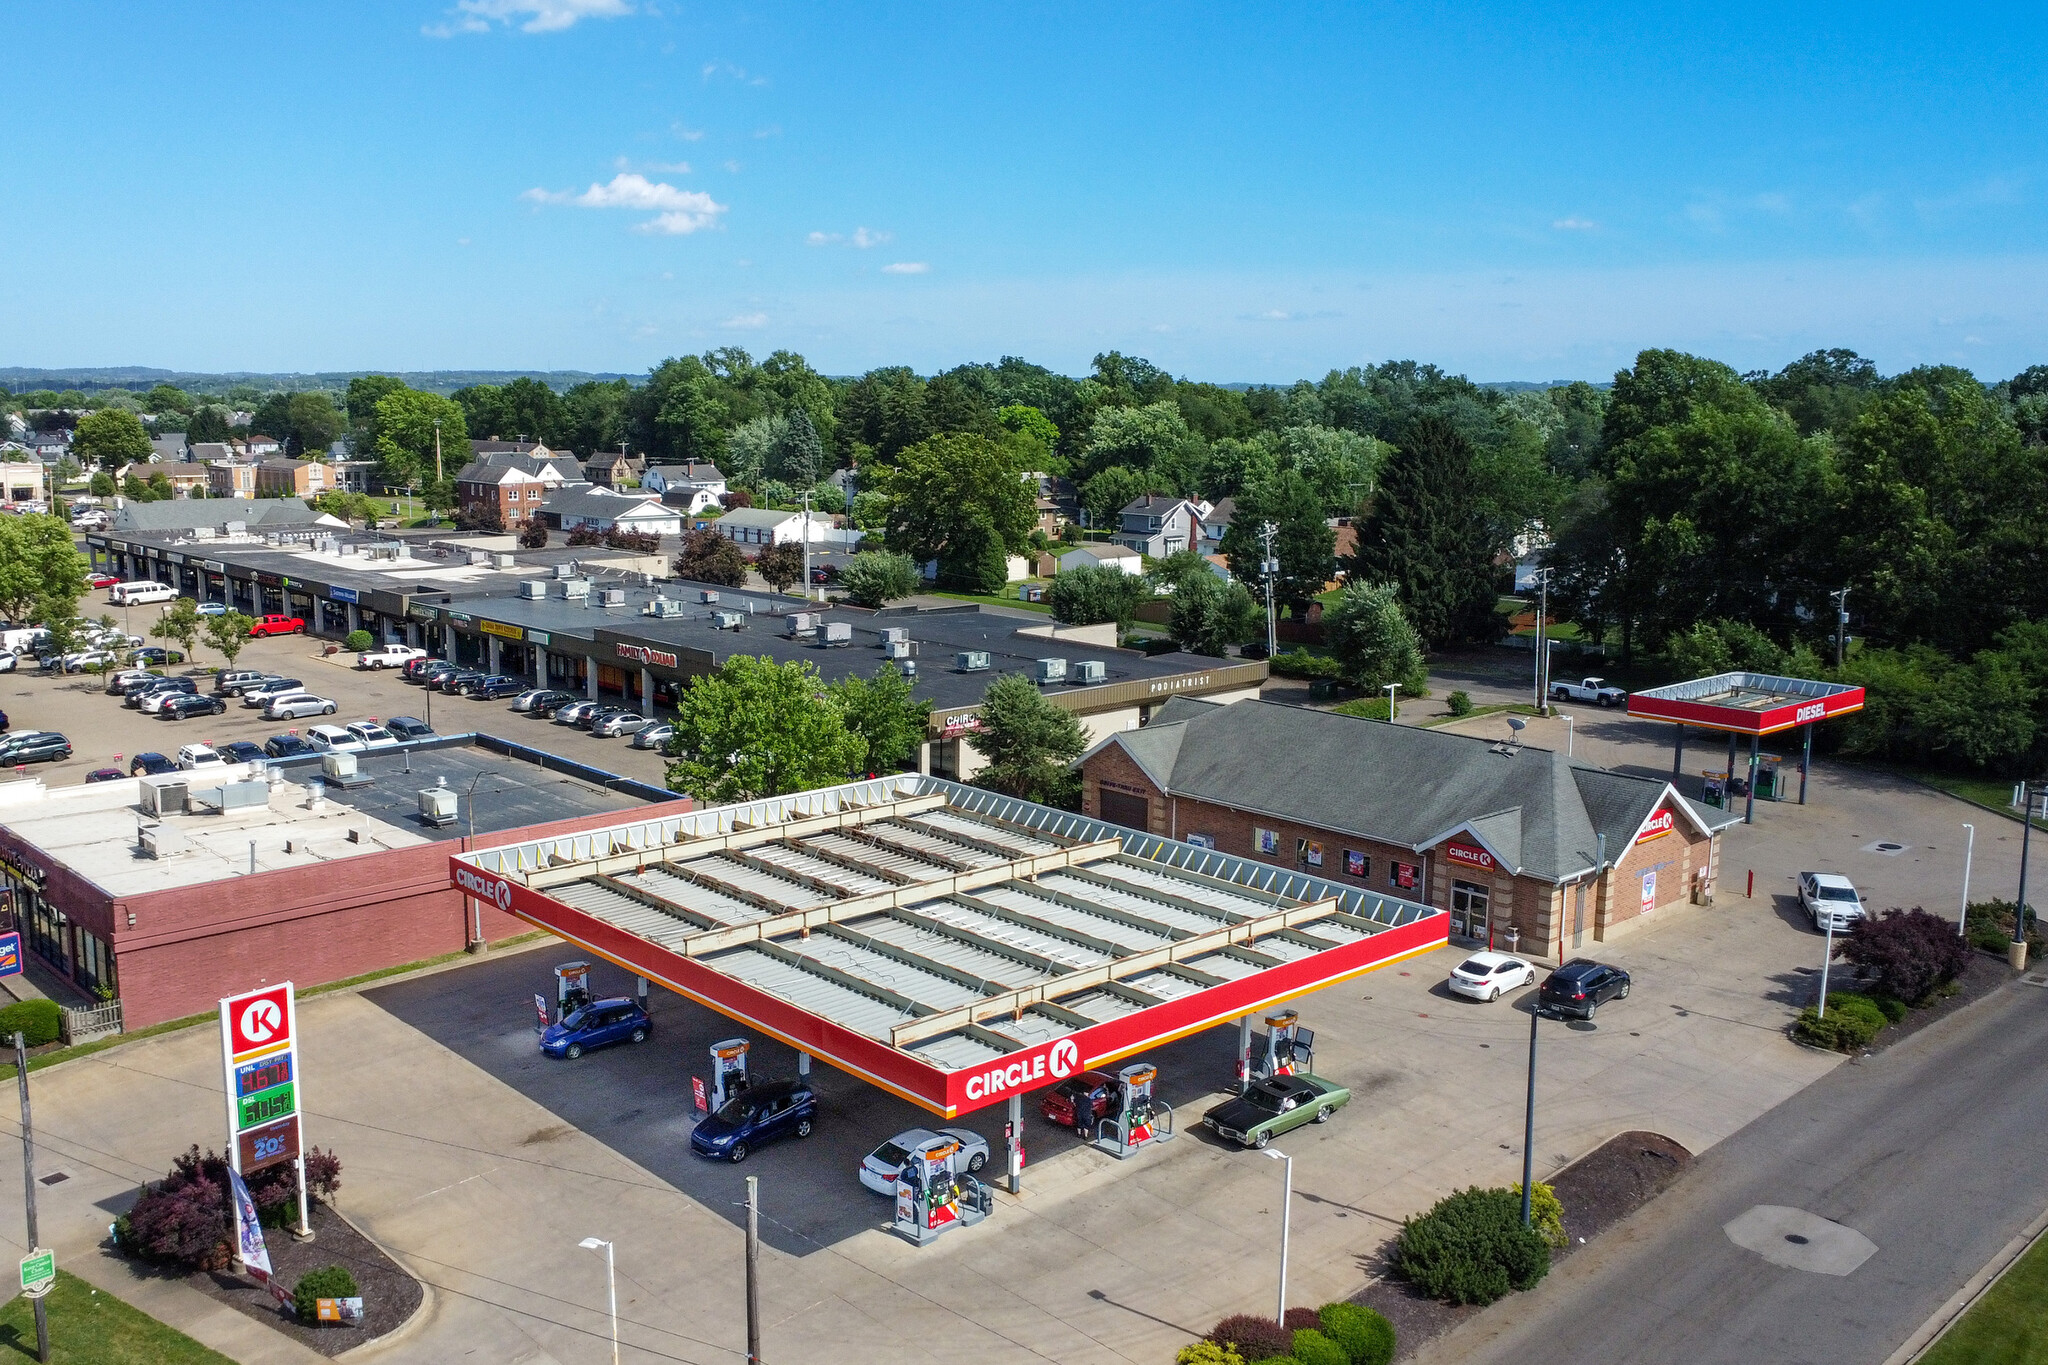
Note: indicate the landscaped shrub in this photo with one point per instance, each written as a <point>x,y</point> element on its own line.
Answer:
<point>1893,1009</point>
<point>1546,1213</point>
<point>1299,663</point>
<point>1363,708</point>
<point>38,1021</point>
<point>1366,1336</point>
<point>1471,1248</point>
<point>1254,1337</point>
<point>1852,1020</point>
<point>1311,1347</point>
<point>1301,1319</point>
<point>1990,928</point>
<point>1208,1353</point>
<point>328,1282</point>
<point>182,1220</point>
<point>1907,953</point>
<point>359,640</point>
<point>1460,703</point>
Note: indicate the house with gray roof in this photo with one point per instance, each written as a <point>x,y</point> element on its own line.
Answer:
<point>259,516</point>
<point>1526,848</point>
<point>583,507</point>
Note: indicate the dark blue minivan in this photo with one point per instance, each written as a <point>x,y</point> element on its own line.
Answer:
<point>597,1024</point>
<point>752,1117</point>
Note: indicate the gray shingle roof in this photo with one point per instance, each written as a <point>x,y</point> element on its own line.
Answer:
<point>584,501</point>
<point>186,514</point>
<point>1538,810</point>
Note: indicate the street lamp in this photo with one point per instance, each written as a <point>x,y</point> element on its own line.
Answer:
<point>1570,735</point>
<point>1963,915</point>
<point>611,1286</point>
<point>476,909</point>
<point>1389,690</point>
<point>1286,1208</point>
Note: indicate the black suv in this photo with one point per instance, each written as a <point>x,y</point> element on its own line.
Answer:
<point>459,681</point>
<point>495,686</point>
<point>1581,986</point>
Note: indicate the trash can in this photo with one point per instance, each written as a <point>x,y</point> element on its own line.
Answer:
<point>1322,689</point>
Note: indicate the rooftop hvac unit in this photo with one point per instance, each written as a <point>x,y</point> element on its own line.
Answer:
<point>404,551</point>
<point>835,633</point>
<point>706,595</point>
<point>908,667</point>
<point>895,635</point>
<point>800,624</point>
<point>664,606</point>
<point>534,589</point>
<point>613,597</point>
<point>1090,671</point>
<point>439,804</point>
<point>565,570</point>
<point>576,589</point>
<point>338,766</point>
<point>971,660</point>
<point>165,794</point>
<point>504,561</point>
<point>477,558</point>
<point>160,841</point>
<point>1052,670</point>
<point>237,528</point>
<point>896,649</point>
<point>728,620</point>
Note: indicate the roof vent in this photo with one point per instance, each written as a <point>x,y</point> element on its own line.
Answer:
<point>1052,670</point>
<point>907,667</point>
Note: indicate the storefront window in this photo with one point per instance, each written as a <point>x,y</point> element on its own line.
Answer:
<point>1469,909</point>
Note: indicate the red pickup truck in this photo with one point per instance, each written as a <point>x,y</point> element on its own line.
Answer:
<point>276,625</point>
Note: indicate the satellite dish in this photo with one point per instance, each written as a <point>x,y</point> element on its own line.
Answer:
<point>1517,724</point>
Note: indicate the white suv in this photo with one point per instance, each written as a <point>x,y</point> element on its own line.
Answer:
<point>293,705</point>
<point>1827,896</point>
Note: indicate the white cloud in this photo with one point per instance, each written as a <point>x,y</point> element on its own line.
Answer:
<point>733,166</point>
<point>538,16</point>
<point>746,321</point>
<point>822,239</point>
<point>907,268</point>
<point>864,239</point>
<point>677,211</point>
<point>686,134</point>
<point>1576,225</point>
<point>738,73</point>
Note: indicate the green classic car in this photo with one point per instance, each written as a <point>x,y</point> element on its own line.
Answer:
<point>1275,1106</point>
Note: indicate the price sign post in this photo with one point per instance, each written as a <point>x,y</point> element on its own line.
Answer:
<point>259,1046</point>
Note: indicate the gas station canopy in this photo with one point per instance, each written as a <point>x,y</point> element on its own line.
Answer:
<point>1746,703</point>
<point>955,946</point>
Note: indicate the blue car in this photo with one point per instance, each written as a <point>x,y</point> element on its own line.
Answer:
<point>752,1117</point>
<point>597,1024</point>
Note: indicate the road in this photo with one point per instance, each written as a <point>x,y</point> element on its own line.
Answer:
<point>1933,1150</point>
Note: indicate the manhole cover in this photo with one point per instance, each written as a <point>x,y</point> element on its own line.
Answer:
<point>2036,979</point>
<point>1890,848</point>
<point>1798,1240</point>
<point>54,1178</point>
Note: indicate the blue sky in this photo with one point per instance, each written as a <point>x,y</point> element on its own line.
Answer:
<point>1511,191</point>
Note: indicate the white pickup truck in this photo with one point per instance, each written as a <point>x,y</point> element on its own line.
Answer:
<point>1594,690</point>
<point>387,656</point>
<point>1829,896</point>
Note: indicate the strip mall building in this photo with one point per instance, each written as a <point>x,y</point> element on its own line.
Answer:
<point>1503,837</point>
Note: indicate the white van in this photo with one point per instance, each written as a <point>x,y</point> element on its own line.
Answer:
<point>135,594</point>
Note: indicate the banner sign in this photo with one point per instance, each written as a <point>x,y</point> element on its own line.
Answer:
<point>348,1312</point>
<point>10,954</point>
<point>540,1008</point>
<point>1657,826</point>
<point>501,630</point>
<point>269,1144</point>
<point>249,1244</point>
<point>1468,855</point>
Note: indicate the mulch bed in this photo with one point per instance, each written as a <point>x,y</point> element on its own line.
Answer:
<point>390,1295</point>
<point>1984,973</point>
<point>1598,1190</point>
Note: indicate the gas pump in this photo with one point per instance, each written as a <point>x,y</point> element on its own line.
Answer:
<point>1290,1048</point>
<point>728,1071</point>
<point>572,988</point>
<point>1141,1118</point>
<point>934,1196</point>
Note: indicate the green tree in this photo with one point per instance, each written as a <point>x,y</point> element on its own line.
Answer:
<point>181,623</point>
<point>1106,495</point>
<point>66,472</point>
<point>101,485</point>
<point>1153,439</point>
<point>950,488</point>
<point>405,435</point>
<point>1304,542</point>
<point>227,633</point>
<point>799,454</point>
<point>1029,743</point>
<point>759,728</point>
<point>167,398</point>
<point>781,566</point>
<point>974,559</point>
<point>1033,440</point>
<point>110,438</point>
<point>1210,615</point>
<point>750,450</point>
<point>709,557</point>
<point>1425,535</point>
<point>1340,465</point>
<point>882,711</point>
<point>1370,637</point>
<point>873,578</point>
<point>1094,593</point>
<point>39,566</point>
<point>1822,390</point>
<point>208,424</point>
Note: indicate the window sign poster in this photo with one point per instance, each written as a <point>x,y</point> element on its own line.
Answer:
<point>1202,840</point>
<point>1649,891</point>
<point>1312,852</point>
<point>1403,876</point>
<point>1265,840</point>
<point>1355,864</point>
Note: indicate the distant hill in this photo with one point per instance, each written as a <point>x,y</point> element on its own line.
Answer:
<point>89,379</point>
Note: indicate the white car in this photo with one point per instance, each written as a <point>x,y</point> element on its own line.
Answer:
<point>879,1168</point>
<point>87,658</point>
<point>1826,896</point>
<point>294,705</point>
<point>192,756</point>
<point>387,656</point>
<point>1483,976</point>
<point>8,659</point>
<point>331,739</point>
<point>372,735</point>
<point>153,702</point>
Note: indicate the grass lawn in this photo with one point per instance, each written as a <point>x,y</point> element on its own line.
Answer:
<point>1011,600</point>
<point>2008,1326</point>
<point>89,1327</point>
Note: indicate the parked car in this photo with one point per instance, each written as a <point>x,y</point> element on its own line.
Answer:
<point>154,654</point>
<point>1483,976</point>
<point>763,1114</point>
<point>192,757</point>
<point>259,694</point>
<point>373,735</point>
<point>1581,986</point>
<point>404,728</point>
<point>1826,896</point>
<point>275,625</point>
<point>492,686</point>
<point>577,713</point>
<point>597,1024</point>
<point>179,705</point>
<point>150,700</point>
<point>1079,1101</point>
<point>1594,690</point>
<point>103,580</point>
<point>455,680</point>
<point>34,746</point>
<point>655,735</point>
<point>286,746</point>
<point>616,721</point>
<point>242,751</point>
<point>388,656</point>
<point>83,659</point>
<point>879,1168</point>
<point>331,739</point>
<point>9,660</point>
<point>149,765</point>
<point>296,705</point>
<point>527,700</point>
<point>119,683</point>
<point>231,681</point>
<point>1274,1106</point>
<point>550,701</point>
<point>105,775</point>
<point>416,670</point>
<point>213,609</point>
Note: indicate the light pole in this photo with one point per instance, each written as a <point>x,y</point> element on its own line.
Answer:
<point>1529,1114</point>
<point>1542,662</point>
<point>1270,566</point>
<point>1963,915</point>
<point>1286,1208</point>
<point>1827,956</point>
<point>1570,734</point>
<point>1841,622</point>
<point>1389,690</point>
<point>611,1287</point>
<point>2019,911</point>
<point>476,909</point>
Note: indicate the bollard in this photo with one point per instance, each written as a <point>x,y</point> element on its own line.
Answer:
<point>1751,893</point>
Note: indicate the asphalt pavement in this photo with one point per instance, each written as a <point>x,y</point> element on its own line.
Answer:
<point>1932,1150</point>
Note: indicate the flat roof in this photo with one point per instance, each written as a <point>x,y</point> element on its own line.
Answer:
<point>92,828</point>
<point>1746,703</point>
<point>947,943</point>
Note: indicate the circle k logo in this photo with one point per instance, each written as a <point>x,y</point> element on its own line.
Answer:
<point>262,1020</point>
<point>258,1020</point>
<point>1064,1058</point>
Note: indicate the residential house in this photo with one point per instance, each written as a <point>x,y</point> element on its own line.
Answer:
<point>228,478</point>
<point>766,526</point>
<point>694,487</point>
<point>480,450</point>
<point>168,449</point>
<point>1159,526</point>
<point>609,470</point>
<point>1057,504</point>
<point>1104,556</point>
<point>515,485</point>
<point>1216,524</point>
<point>48,446</point>
<point>293,478</point>
<point>1507,838</point>
<point>256,445</point>
<point>583,507</point>
<point>206,452</point>
<point>186,479</point>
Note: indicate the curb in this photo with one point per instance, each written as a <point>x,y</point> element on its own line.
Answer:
<point>404,1329</point>
<point>1974,1288</point>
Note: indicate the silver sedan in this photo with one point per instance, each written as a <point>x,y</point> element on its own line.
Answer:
<point>617,723</point>
<point>654,735</point>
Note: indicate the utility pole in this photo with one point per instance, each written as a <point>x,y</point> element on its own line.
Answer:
<point>1270,566</point>
<point>807,545</point>
<point>437,450</point>
<point>1542,658</point>
<point>1529,1115</point>
<point>1841,622</point>
<point>28,1185</point>
<point>753,1267</point>
<point>2019,913</point>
